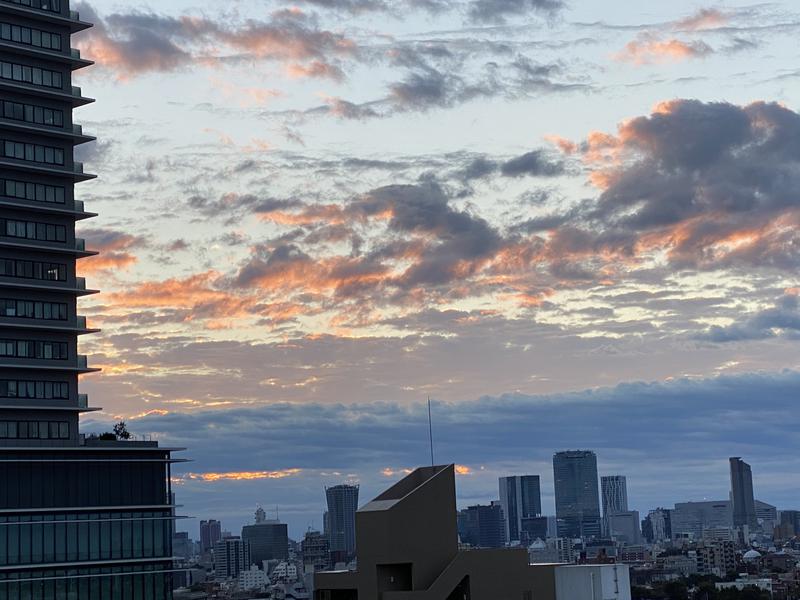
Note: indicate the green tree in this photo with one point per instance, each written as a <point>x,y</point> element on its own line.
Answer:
<point>121,431</point>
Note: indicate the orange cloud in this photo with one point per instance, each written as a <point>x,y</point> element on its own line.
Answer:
<point>706,18</point>
<point>649,49</point>
<point>463,470</point>
<point>239,475</point>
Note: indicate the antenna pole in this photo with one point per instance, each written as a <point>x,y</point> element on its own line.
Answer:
<point>430,429</point>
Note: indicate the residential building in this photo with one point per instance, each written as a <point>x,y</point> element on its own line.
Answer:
<point>407,547</point>
<point>576,491</point>
<point>742,499</point>
<point>210,534</point>
<point>231,557</point>
<point>253,579</point>
<point>341,520</point>
<point>716,558</point>
<point>182,545</point>
<point>482,526</point>
<point>284,572</point>
<point>268,540</point>
<point>690,518</point>
<point>316,551</point>
<point>624,526</point>
<point>789,523</point>
<point>520,498</point>
<point>65,500</point>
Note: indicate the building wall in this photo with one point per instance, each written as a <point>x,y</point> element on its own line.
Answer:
<point>577,494</point>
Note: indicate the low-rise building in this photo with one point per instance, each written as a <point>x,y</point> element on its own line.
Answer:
<point>253,579</point>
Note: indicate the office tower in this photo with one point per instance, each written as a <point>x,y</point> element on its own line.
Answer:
<point>534,528</point>
<point>261,516</point>
<point>614,491</point>
<point>316,551</point>
<point>577,497</point>
<point>210,534</point>
<point>482,526</point>
<point>342,505</point>
<point>742,500</point>
<point>231,557</point>
<point>691,518</point>
<point>268,540</point>
<point>521,498</point>
<point>657,525</point>
<point>624,526</point>
<point>89,518</point>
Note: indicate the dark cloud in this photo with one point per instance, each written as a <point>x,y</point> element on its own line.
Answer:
<point>671,439</point>
<point>781,320</point>
<point>497,11</point>
<point>535,163</point>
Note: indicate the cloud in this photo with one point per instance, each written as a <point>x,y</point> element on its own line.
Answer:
<point>115,248</point>
<point>534,163</point>
<point>497,11</point>
<point>782,319</point>
<point>671,439</point>
<point>705,18</point>
<point>650,48</point>
<point>134,43</point>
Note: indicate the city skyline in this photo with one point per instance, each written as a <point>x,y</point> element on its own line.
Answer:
<point>296,287</point>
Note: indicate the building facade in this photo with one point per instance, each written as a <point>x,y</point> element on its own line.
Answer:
<point>210,534</point>
<point>231,557</point>
<point>614,492</point>
<point>316,551</point>
<point>482,526</point>
<point>521,498</point>
<point>268,540</point>
<point>657,526</point>
<point>341,520</point>
<point>690,519</point>
<point>79,518</point>
<point>577,497</point>
<point>743,502</point>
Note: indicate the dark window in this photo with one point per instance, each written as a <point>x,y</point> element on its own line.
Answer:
<point>30,230</point>
<point>34,430</point>
<point>29,36</point>
<point>33,309</point>
<point>29,269</point>
<point>33,75</point>
<point>33,113</point>
<point>39,390</point>
<point>33,349</point>
<point>37,192</point>
<point>33,152</point>
<point>48,5</point>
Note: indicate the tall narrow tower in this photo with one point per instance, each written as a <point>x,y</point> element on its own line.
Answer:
<point>577,498</point>
<point>78,518</point>
<point>742,499</point>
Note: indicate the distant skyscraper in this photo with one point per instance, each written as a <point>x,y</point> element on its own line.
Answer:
<point>657,526</point>
<point>231,557</point>
<point>692,518</point>
<point>742,500</point>
<point>614,490</point>
<point>268,540</point>
<point>624,526</point>
<point>482,526</point>
<point>210,534</point>
<point>316,551</point>
<point>521,498</point>
<point>342,506</point>
<point>261,516</point>
<point>577,497</point>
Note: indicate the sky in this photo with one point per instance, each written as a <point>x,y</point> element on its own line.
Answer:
<point>571,224</point>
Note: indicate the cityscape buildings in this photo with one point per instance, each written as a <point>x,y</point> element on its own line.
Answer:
<point>742,499</point>
<point>341,520</point>
<point>69,528</point>
<point>210,534</point>
<point>614,491</point>
<point>692,518</point>
<point>576,493</point>
<point>482,526</point>
<point>268,539</point>
<point>520,498</point>
<point>231,557</point>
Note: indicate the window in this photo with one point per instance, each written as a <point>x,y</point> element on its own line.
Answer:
<point>30,230</point>
<point>48,5</point>
<point>28,269</point>
<point>33,152</point>
<point>33,349</point>
<point>30,309</point>
<point>33,75</point>
<point>34,430</point>
<point>33,113</point>
<point>32,37</point>
<point>34,390</point>
<point>32,191</point>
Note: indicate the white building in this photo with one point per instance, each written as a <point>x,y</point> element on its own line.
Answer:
<point>593,582</point>
<point>285,572</point>
<point>740,584</point>
<point>253,579</point>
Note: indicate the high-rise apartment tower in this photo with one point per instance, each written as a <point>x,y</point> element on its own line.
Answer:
<point>577,498</point>
<point>85,519</point>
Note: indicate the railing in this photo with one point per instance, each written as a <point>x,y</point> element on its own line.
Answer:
<point>81,322</point>
<point>75,53</point>
<point>80,244</point>
<point>80,283</point>
<point>77,167</point>
<point>76,91</point>
<point>74,15</point>
<point>77,129</point>
<point>83,361</point>
<point>83,400</point>
<point>79,207</point>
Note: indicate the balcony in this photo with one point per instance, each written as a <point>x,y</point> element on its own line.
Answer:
<point>83,400</point>
<point>75,53</point>
<point>80,283</point>
<point>77,129</point>
<point>80,322</point>
<point>80,244</point>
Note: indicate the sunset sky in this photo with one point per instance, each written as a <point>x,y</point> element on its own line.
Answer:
<point>571,224</point>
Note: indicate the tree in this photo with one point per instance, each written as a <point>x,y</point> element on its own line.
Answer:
<point>121,431</point>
